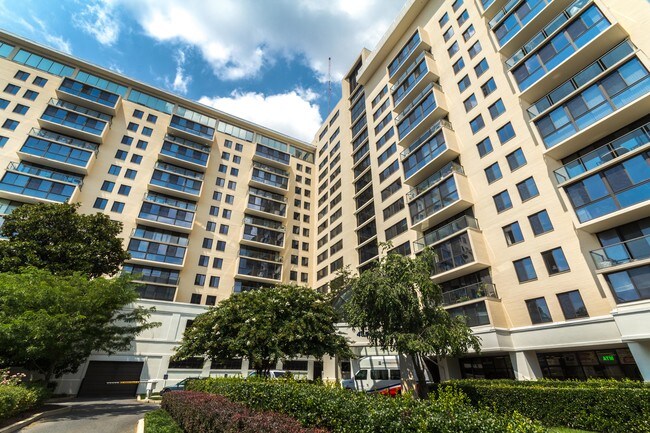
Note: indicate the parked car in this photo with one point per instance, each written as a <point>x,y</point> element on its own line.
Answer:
<point>180,386</point>
<point>273,374</point>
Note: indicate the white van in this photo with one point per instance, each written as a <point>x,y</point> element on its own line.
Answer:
<point>379,374</point>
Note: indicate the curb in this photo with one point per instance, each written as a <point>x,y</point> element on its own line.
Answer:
<point>24,423</point>
<point>140,427</point>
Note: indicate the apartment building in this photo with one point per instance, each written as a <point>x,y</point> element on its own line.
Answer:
<point>511,137</point>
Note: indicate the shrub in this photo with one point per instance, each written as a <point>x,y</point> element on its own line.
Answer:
<point>15,399</point>
<point>597,405</point>
<point>159,421</point>
<point>344,411</point>
<point>197,412</point>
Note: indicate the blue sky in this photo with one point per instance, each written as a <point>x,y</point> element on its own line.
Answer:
<point>264,60</point>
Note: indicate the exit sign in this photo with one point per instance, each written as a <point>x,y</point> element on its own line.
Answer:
<point>607,358</point>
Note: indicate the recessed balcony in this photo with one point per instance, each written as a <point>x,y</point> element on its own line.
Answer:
<point>460,255</point>
<point>432,150</point>
<point>75,121</point>
<point>633,252</point>
<point>439,235</point>
<point>267,177</point>
<point>151,246</point>
<point>266,204</point>
<point>29,183</point>
<point>89,96</point>
<point>58,151</point>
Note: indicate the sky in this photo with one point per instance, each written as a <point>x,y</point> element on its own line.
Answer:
<point>262,60</point>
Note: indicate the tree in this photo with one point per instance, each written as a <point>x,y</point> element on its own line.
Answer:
<point>51,323</point>
<point>264,326</point>
<point>400,309</point>
<point>56,237</point>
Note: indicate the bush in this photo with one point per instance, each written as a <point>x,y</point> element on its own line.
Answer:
<point>344,411</point>
<point>597,405</point>
<point>198,412</point>
<point>159,421</point>
<point>15,399</point>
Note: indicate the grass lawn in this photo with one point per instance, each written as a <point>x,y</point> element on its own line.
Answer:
<point>159,421</point>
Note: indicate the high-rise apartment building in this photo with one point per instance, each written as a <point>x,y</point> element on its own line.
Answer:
<point>513,138</point>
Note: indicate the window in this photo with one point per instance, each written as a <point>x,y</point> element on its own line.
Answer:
<point>3,104</point>
<point>477,123</point>
<point>497,109</point>
<point>304,261</point>
<point>236,159</point>
<point>516,159</point>
<point>199,279</point>
<point>540,223</point>
<point>493,173</point>
<point>506,133</point>
<point>513,234</point>
<point>234,171</point>
<point>132,126</point>
<point>152,118</point>
<point>484,147</point>
<point>211,300</point>
<point>210,226</point>
<point>216,195</point>
<point>214,281</point>
<point>488,87</point>
<point>459,65</point>
<point>453,49</point>
<point>138,114</point>
<point>121,154</point>
<point>196,299</point>
<point>214,210</point>
<point>12,89</point>
<point>525,269</point>
<point>227,213</point>
<point>117,207</point>
<point>108,186</point>
<point>464,83</point>
<point>470,102</point>
<point>538,311</point>
<point>136,159</point>
<point>146,131</point>
<point>227,144</point>
<point>130,174</point>
<point>232,185</point>
<point>20,109</point>
<point>391,189</point>
<point>572,305</point>
<point>40,81</point>
<point>142,144</point>
<point>114,170</point>
<point>474,49</point>
<point>527,189</point>
<point>448,34</point>
<point>239,147</point>
<point>203,261</point>
<point>221,246</point>
<point>502,201</point>
<point>124,190</point>
<point>468,33</point>
<point>207,243</point>
<point>100,203</point>
<point>230,199</point>
<point>462,18</point>
<point>631,284</point>
<point>10,124</point>
<point>223,229</point>
<point>481,68</point>
<point>555,261</point>
<point>217,263</point>
<point>222,168</point>
<point>396,229</point>
<point>3,141</point>
<point>456,5</point>
<point>126,140</point>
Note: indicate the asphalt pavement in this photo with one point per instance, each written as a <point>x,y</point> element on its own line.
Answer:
<point>94,416</point>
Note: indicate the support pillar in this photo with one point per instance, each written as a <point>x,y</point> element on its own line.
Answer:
<point>330,368</point>
<point>525,365</point>
<point>641,352</point>
<point>449,368</point>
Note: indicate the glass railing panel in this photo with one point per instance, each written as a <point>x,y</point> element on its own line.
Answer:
<point>273,154</point>
<point>447,230</point>
<point>88,92</point>
<point>467,293</point>
<point>452,254</point>
<point>262,235</point>
<point>192,127</point>
<point>255,268</point>
<point>516,19</point>
<point>622,253</point>
<point>166,215</point>
<point>436,177</point>
<point>57,152</point>
<point>416,115</point>
<point>184,153</point>
<point>434,200</point>
<point>403,54</point>
<point>74,120</point>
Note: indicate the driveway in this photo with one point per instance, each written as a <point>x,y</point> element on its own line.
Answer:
<point>94,416</point>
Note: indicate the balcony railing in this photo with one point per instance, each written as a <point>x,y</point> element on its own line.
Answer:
<point>59,152</point>
<point>452,254</point>
<point>89,93</point>
<point>192,127</point>
<point>63,139</point>
<point>505,28</point>
<point>32,181</point>
<point>42,172</point>
<point>445,231</point>
<point>622,253</point>
<point>273,225</point>
<point>435,178</point>
<point>185,150</point>
<point>404,54</point>
<point>468,293</point>
<point>272,154</point>
<point>605,153</point>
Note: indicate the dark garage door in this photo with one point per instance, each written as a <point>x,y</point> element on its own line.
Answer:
<point>100,372</point>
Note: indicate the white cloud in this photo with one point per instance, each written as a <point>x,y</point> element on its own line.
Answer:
<point>181,80</point>
<point>98,20</point>
<point>58,43</point>
<point>239,37</point>
<point>294,113</point>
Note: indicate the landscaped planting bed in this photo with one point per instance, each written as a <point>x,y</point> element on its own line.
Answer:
<point>343,411</point>
<point>15,399</point>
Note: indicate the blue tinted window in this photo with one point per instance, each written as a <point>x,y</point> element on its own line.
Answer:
<point>525,269</point>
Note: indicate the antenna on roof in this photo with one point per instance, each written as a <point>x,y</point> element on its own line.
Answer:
<point>329,84</point>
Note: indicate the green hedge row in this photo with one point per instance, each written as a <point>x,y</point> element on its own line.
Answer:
<point>602,406</point>
<point>344,411</point>
<point>15,399</point>
<point>551,383</point>
<point>159,421</point>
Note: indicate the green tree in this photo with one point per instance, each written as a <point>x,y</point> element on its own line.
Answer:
<point>51,323</point>
<point>264,326</point>
<point>58,238</point>
<point>400,309</point>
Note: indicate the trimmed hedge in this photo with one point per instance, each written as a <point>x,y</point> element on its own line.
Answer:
<point>199,412</point>
<point>599,405</point>
<point>159,421</point>
<point>344,411</point>
<point>15,399</point>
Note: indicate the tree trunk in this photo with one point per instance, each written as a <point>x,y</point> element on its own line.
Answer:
<point>408,374</point>
<point>422,387</point>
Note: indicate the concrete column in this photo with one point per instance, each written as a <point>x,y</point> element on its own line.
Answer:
<point>245,365</point>
<point>641,352</point>
<point>525,365</point>
<point>449,369</point>
<point>329,369</point>
<point>310,369</point>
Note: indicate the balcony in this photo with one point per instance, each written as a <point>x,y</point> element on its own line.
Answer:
<point>469,293</point>
<point>266,204</point>
<point>420,73</point>
<point>265,176</point>
<point>255,270</point>
<point>433,149</point>
<point>177,181</point>
<point>90,96</point>
<point>185,153</point>
<point>29,183</point>
<point>159,246</point>
<point>619,98</point>
<point>190,129</point>
<point>557,53</point>
<point>260,236</point>
<point>417,44</point>
<point>167,212</point>
<point>456,226</point>
<point>274,157</point>
<point>58,151</point>
<point>429,106</point>
<point>260,254</point>
<point>611,153</point>
<point>460,255</point>
<point>443,195</point>
<point>75,121</point>
<point>635,251</point>
<point>150,274</point>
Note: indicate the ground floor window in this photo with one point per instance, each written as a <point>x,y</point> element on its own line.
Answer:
<point>487,367</point>
<point>610,364</point>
